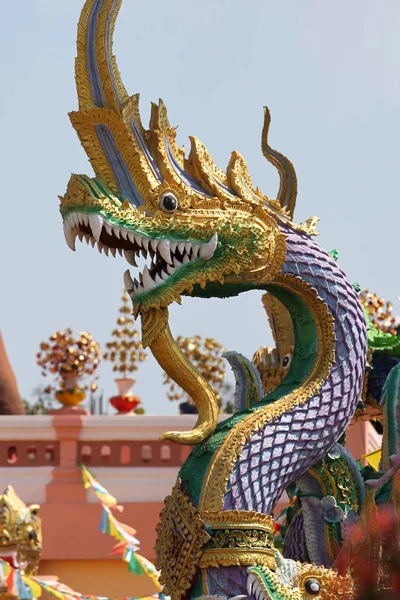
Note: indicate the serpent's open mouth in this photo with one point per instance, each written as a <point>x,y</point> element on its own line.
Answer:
<point>166,256</point>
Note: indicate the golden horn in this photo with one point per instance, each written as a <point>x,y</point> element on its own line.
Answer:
<point>287,175</point>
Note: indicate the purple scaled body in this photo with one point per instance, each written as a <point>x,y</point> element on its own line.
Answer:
<point>285,448</point>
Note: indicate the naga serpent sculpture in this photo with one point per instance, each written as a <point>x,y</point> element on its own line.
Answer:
<point>20,533</point>
<point>210,233</point>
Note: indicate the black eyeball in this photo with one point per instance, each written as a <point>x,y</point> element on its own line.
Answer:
<point>32,535</point>
<point>312,587</point>
<point>168,202</point>
<point>286,360</point>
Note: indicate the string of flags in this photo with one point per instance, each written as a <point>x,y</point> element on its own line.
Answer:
<point>128,544</point>
<point>30,588</point>
<point>373,459</point>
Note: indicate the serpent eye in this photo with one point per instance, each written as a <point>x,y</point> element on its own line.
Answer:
<point>287,359</point>
<point>168,202</point>
<point>32,535</point>
<point>312,587</point>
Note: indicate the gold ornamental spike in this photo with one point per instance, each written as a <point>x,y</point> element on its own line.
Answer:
<point>240,180</point>
<point>162,138</point>
<point>107,122</point>
<point>288,180</point>
<point>9,501</point>
<point>202,165</point>
<point>142,165</point>
<point>98,80</point>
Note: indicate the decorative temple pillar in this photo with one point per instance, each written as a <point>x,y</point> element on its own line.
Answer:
<point>66,483</point>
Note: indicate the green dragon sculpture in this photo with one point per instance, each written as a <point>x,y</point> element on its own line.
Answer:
<point>210,233</point>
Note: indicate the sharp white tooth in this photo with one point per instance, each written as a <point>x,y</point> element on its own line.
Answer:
<point>109,228</point>
<point>106,250</point>
<point>69,236</point>
<point>207,250</point>
<point>170,270</point>
<point>73,219</point>
<point>120,251</point>
<point>113,251</point>
<point>158,279</point>
<point>164,248</point>
<point>92,241</point>
<point>173,246</point>
<point>176,263</point>
<point>99,247</point>
<point>85,219</point>
<point>80,235</point>
<point>87,237</point>
<point>124,234</point>
<point>116,231</point>
<point>154,244</point>
<point>128,281</point>
<point>131,236</point>
<point>195,251</point>
<point>130,257</point>
<point>148,282</point>
<point>181,247</point>
<point>144,242</point>
<point>96,225</point>
<point>185,259</point>
<point>188,247</point>
<point>164,275</point>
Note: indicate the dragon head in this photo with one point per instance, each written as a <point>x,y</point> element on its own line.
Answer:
<point>273,363</point>
<point>20,532</point>
<point>204,231</point>
<point>297,581</point>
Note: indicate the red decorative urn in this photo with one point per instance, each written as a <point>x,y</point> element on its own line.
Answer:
<point>125,403</point>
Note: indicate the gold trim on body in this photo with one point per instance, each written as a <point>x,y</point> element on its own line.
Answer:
<point>157,335</point>
<point>239,538</point>
<point>181,536</point>
<point>223,461</point>
<point>188,540</point>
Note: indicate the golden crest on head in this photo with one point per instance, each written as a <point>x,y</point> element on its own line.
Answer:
<point>20,532</point>
<point>145,164</point>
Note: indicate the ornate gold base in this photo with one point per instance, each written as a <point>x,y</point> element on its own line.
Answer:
<point>188,541</point>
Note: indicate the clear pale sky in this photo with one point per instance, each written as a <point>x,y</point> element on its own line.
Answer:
<point>329,72</point>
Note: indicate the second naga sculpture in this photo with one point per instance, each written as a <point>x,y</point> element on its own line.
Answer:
<point>211,233</point>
